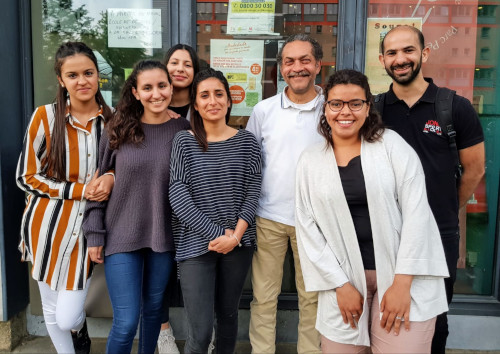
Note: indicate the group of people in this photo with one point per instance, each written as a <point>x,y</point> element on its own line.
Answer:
<point>368,202</point>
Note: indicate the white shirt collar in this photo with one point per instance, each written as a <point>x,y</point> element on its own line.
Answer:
<point>308,106</point>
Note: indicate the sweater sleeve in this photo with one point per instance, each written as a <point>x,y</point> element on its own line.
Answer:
<point>253,184</point>
<point>93,225</point>
<point>320,266</point>
<point>29,175</point>
<point>180,197</point>
<point>420,250</point>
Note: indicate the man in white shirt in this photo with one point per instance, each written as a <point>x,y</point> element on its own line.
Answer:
<point>284,125</point>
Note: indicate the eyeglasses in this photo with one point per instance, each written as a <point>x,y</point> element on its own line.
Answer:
<point>338,105</point>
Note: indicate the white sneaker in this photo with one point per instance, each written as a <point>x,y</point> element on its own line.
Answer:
<point>211,346</point>
<point>166,342</point>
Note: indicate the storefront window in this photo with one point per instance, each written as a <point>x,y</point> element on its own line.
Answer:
<point>260,27</point>
<point>464,40</point>
<point>120,32</point>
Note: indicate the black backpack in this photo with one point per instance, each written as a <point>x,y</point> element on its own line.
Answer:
<point>443,109</point>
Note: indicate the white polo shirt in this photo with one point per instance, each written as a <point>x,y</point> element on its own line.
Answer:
<point>283,129</point>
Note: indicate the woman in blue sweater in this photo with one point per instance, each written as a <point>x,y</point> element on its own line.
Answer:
<point>215,177</point>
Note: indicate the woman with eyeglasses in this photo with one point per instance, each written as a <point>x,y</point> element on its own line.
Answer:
<point>367,239</point>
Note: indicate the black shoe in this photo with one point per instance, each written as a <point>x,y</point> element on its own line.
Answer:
<point>81,340</point>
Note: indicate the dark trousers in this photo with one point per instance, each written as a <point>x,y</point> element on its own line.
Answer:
<point>212,285</point>
<point>450,245</point>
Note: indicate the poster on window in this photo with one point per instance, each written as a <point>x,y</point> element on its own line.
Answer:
<point>241,61</point>
<point>134,28</point>
<point>377,28</point>
<point>251,17</point>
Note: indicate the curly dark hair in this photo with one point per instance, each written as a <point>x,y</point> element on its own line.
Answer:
<point>55,163</point>
<point>196,121</point>
<point>125,126</point>
<point>373,127</point>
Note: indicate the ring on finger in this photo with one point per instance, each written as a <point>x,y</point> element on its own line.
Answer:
<point>399,318</point>
<point>354,315</point>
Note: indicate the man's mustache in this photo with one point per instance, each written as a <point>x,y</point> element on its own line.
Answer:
<point>301,73</point>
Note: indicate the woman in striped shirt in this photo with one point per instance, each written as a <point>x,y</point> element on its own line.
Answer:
<point>215,177</point>
<point>57,171</point>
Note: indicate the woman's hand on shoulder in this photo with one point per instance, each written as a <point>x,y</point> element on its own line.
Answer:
<point>96,254</point>
<point>395,305</point>
<point>172,114</point>
<point>350,303</point>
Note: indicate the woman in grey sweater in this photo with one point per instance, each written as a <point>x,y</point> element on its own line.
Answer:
<point>132,232</point>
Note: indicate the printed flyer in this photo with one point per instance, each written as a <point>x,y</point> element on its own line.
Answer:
<point>251,17</point>
<point>241,61</point>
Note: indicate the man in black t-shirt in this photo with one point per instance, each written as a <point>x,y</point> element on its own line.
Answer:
<point>409,110</point>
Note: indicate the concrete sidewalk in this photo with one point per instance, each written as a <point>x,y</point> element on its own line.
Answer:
<point>34,344</point>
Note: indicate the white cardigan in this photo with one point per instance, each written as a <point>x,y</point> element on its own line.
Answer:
<point>406,238</point>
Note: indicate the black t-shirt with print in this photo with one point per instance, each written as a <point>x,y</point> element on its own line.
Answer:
<point>419,126</point>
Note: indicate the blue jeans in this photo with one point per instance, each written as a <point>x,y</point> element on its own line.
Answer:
<point>136,282</point>
<point>213,282</point>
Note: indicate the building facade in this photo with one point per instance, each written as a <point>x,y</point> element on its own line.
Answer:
<point>242,38</point>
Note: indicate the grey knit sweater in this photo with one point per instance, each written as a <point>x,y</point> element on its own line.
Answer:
<point>138,213</point>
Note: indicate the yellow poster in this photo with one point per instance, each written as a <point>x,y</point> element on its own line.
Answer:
<point>376,30</point>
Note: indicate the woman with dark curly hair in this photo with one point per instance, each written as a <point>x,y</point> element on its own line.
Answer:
<point>368,241</point>
<point>132,232</point>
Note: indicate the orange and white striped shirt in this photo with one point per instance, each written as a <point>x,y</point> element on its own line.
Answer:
<point>51,229</point>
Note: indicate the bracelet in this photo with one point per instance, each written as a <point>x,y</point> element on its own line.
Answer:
<point>237,240</point>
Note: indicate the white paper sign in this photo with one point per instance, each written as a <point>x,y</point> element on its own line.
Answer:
<point>251,17</point>
<point>134,28</point>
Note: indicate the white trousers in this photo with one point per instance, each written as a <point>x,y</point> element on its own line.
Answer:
<point>63,311</point>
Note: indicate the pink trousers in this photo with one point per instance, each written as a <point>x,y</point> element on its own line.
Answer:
<point>417,340</point>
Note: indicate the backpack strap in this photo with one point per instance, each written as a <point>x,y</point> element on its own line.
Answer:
<point>379,101</point>
<point>443,109</point>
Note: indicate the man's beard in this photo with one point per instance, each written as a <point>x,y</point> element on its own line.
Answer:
<point>405,80</point>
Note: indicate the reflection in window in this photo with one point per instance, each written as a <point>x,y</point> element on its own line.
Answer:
<point>204,11</point>
<point>292,12</point>
<point>485,53</point>
<point>307,29</point>
<point>332,11</point>
<point>314,12</point>
<point>461,10</point>
<point>487,10</point>
<point>220,11</point>
<point>208,28</point>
